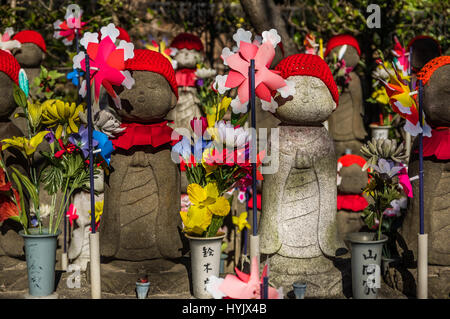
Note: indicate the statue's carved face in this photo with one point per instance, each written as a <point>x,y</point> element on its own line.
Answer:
<point>353,179</point>
<point>350,57</point>
<point>149,100</point>
<point>437,97</point>
<point>29,55</point>
<point>312,103</point>
<point>423,51</point>
<point>188,58</point>
<point>7,104</point>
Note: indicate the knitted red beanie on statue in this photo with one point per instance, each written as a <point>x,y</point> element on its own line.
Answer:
<point>9,66</point>
<point>30,36</point>
<point>311,65</point>
<point>187,41</point>
<point>341,40</point>
<point>123,35</point>
<point>148,60</point>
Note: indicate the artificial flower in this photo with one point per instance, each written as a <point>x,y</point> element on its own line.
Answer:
<point>396,206</point>
<point>205,73</point>
<point>81,140</point>
<point>63,116</point>
<point>214,113</point>
<point>310,44</point>
<point>26,146</point>
<point>196,221</point>
<point>225,133</point>
<point>107,123</point>
<point>164,49</point>
<point>241,221</point>
<point>208,198</point>
<point>6,43</point>
<point>405,183</point>
<point>69,149</point>
<point>72,214</point>
<point>380,96</point>
<point>386,167</point>
<point>67,29</point>
<point>34,114</point>
<point>74,75</point>
<point>199,126</point>
<point>98,213</point>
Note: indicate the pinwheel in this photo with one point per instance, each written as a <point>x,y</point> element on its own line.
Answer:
<point>107,62</point>
<point>403,103</point>
<point>163,48</point>
<point>68,28</point>
<point>266,80</point>
<point>6,43</point>
<point>401,59</point>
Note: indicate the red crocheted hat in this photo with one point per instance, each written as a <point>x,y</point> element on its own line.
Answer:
<point>9,66</point>
<point>427,71</point>
<point>123,35</point>
<point>341,40</point>
<point>148,60</point>
<point>350,159</point>
<point>30,36</point>
<point>421,37</point>
<point>187,41</point>
<point>309,64</point>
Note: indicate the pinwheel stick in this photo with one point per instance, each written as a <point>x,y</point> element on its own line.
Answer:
<point>254,144</point>
<point>94,242</point>
<point>77,43</point>
<point>422,258</point>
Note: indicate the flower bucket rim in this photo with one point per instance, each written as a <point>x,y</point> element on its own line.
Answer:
<point>359,238</point>
<point>43,235</point>
<point>221,236</point>
<point>379,126</point>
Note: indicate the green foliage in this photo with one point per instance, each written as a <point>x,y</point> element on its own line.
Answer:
<point>45,84</point>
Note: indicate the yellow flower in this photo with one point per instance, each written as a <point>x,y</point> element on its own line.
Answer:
<point>161,49</point>
<point>381,96</point>
<point>98,211</point>
<point>206,202</point>
<point>61,115</point>
<point>221,108</point>
<point>241,221</point>
<point>34,114</point>
<point>27,146</point>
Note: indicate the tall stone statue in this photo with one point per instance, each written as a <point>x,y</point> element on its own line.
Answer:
<point>346,123</point>
<point>142,195</point>
<point>189,53</point>
<point>298,220</point>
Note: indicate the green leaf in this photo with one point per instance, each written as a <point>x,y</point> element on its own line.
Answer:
<point>29,186</point>
<point>23,216</point>
<point>44,73</point>
<point>55,74</point>
<point>20,97</point>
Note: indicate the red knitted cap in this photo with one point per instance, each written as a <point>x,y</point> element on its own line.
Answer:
<point>30,36</point>
<point>427,71</point>
<point>123,35</point>
<point>187,41</point>
<point>309,64</point>
<point>341,40</point>
<point>148,60</point>
<point>9,66</point>
<point>350,159</point>
<point>421,37</point>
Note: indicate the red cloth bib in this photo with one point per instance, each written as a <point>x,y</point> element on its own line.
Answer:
<point>351,202</point>
<point>144,134</point>
<point>438,144</point>
<point>185,77</point>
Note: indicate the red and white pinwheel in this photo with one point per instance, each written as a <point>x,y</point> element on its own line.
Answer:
<point>6,43</point>
<point>107,62</point>
<point>67,29</point>
<point>401,59</point>
<point>266,80</point>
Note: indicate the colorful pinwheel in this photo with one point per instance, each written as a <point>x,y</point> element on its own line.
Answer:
<point>67,29</point>
<point>6,43</point>
<point>266,80</point>
<point>107,62</point>
<point>401,60</point>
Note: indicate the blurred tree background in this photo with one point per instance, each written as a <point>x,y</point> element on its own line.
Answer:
<point>215,21</point>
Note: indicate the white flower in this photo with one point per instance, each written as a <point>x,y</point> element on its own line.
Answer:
<point>111,31</point>
<point>226,52</point>
<point>128,49</point>
<point>242,35</point>
<point>397,205</point>
<point>401,108</point>
<point>237,107</point>
<point>342,51</point>
<point>83,89</point>
<point>128,82</point>
<point>384,167</point>
<point>220,83</point>
<point>174,64</point>
<point>212,287</point>
<point>271,36</point>
<point>57,35</point>
<point>269,106</point>
<point>77,60</point>
<point>89,37</point>
<point>205,73</point>
<point>288,89</point>
<point>9,45</point>
<point>231,136</point>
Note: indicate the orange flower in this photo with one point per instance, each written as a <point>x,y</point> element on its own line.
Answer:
<point>7,206</point>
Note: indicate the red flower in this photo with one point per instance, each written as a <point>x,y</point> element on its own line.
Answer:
<point>7,206</point>
<point>69,148</point>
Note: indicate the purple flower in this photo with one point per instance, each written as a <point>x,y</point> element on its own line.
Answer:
<point>81,140</point>
<point>200,82</point>
<point>50,137</point>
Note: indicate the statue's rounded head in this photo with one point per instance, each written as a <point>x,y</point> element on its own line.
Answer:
<point>352,51</point>
<point>435,76</point>
<point>155,90</point>
<point>424,49</point>
<point>189,50</point>
<point>9,74</point>
<point>351,178</point>
<point>316,92</point>
<point>32,50</point>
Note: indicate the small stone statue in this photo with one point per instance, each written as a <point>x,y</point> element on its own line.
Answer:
<point>351,180</point>
<point>189,53</point>
<point>346,123</point>
<point>436,166</point>
<point>142,195</point>
<point>10,242</point>
<point>298,220</point>
<point>424,49</point>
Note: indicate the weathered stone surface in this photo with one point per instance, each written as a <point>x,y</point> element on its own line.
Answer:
<point>298,227</point>
<point>435,103</point>
<point>353,179</point>
<point>423,50</point>
<point>186,109</point>
<point>348,222</point>
<point>29,55</point>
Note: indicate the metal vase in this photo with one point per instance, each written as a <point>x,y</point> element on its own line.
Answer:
<point>299,289</point>
<point>205,262</point>
<point>40,253</point>
<point>366,262</point>
<point>142,289</point>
